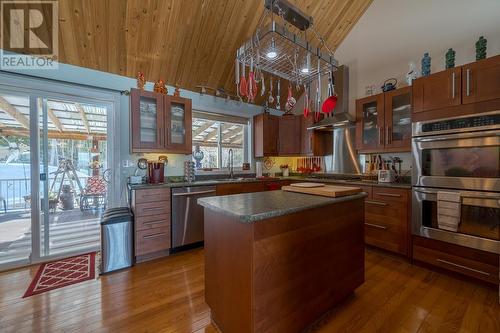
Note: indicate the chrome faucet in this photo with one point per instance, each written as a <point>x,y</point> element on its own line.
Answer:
<point>230,163</point>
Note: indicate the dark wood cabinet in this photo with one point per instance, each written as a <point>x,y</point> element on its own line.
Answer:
<point>383,122</point>
<point>459,259</point>
<point>397,118</point>
<point>370,122</point>
<point>289,135</point>
<point>387,219</point>
<point>315,142</point>
<point>152,223</point>
<point>146,121</point>
<point>178,124</point>
<point>159,123</point>
<point>468,89</point>
<point>438,90</point>
<point>265,135</point>
<point>275,136</point>
<point>481,80</point>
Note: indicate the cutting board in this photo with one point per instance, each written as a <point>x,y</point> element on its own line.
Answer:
<point>308,185</point>
<point>326,191</point>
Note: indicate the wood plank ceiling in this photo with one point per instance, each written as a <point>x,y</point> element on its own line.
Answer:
<point>185,42</point>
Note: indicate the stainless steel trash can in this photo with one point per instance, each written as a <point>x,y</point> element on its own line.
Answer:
<point>116,239</point>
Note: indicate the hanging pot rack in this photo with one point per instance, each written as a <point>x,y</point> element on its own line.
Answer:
<point>293,53</point>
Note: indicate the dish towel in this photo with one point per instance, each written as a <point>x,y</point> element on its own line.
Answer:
<point>449,205</point>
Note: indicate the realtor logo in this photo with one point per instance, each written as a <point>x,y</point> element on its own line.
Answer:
<point>29,34</point>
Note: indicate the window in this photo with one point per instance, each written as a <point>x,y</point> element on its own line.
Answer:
<point>214,136</point>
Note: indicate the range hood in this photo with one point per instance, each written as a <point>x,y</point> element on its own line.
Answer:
<point>340,116</point>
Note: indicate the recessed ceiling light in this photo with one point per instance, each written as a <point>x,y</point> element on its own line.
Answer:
<point>305,70</point>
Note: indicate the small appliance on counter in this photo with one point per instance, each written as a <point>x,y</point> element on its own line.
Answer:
<point>386,176</point>
<point>156,171</point>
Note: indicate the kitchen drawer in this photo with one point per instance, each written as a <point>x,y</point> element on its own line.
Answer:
<point>152,221</point>
<point>152,195</point>
<point>390,194</point>
<point>152,240</point>
<point>386,226</point>
<point>471,262</point>
<point>152,208</point>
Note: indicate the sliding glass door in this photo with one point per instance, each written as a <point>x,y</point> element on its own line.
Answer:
<point>54,174</point>
<point>16,209</point>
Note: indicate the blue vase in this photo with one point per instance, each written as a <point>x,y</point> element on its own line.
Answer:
<point>426,65</point>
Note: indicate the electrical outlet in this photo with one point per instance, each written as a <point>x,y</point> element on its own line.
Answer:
<point>127,163</point>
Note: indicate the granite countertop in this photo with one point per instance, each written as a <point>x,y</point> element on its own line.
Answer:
<point>252,207</point>
<point>251,180</point>
<point>360,183</point>
<point>202,182</point>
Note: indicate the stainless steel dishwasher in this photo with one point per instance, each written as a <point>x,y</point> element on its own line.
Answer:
<point>187,215</point>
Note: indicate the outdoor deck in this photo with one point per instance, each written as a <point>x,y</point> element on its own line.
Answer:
<point>69,231</point>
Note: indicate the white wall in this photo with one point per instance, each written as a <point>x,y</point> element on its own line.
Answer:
<point>393,33</point>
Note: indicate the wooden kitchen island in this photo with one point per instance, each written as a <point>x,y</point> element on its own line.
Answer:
<point>277,261</point>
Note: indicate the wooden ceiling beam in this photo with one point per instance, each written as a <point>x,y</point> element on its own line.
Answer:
<point>81,111</point>
<point>54,134</point>
<point>14,113</point>
<point>202,128</point>
<point>53,118</point>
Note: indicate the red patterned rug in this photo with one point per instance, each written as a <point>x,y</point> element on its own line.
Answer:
<point>62,273</point>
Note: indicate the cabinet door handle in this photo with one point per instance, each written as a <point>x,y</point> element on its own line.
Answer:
<point>378,203</point>
<point>152,209</point>
<point>453,85</point>
<point>467,82</point>
<point>389,195</point>
<point>375,226</point>
<point>462,266</point>
<point>152,222</point>
<point>154,235</point>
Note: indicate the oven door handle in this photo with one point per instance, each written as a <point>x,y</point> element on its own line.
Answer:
<point>444,137</point>
<point>463,195</point>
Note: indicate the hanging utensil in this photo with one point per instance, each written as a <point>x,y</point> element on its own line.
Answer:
<point>278,95</point>
<point>243,81</point>
<point>270,98</point>
<point>317,115</point>
<point>251,82</point>
<point>306,101</point>
<point>290,101</point>
<point>263,86</point>
<point>237,77</point>
<point>331,101</point>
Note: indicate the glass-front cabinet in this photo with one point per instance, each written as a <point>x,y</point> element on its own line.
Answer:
<point>398,117</point>
<point>160,123</point>
<point>146,120</point>
<point>178,124</point>
<point>383,122</point>
<point>370,122</point>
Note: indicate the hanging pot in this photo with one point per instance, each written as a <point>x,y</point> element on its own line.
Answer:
<point>329,103</point>
<point>290,101</point>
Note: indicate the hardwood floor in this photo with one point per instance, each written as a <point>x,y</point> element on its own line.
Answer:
<point>167,295</point>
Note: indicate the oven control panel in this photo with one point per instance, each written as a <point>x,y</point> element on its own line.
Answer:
<point>469,122</point>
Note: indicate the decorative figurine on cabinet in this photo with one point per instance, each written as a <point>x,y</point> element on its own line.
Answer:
<point>160,87</point>
<point>177,91</point>
<point>412,73</point>
<point>450,59</point>
<point>426,64</point>
<point>481,48</point>
<point>141,80</point>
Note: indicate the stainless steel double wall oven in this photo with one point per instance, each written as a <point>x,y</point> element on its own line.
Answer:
<point>459,154</point>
